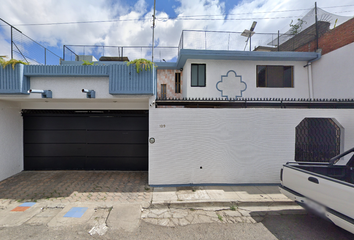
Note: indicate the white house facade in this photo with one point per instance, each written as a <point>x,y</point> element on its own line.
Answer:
<point>211,117</point>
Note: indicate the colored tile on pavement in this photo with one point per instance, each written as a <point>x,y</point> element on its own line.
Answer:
<point>76,212</point>
<point>23,207</point>
<point>19,209</point>
<point>27,204</point>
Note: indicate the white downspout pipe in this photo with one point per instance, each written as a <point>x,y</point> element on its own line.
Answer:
<point>309,71</point>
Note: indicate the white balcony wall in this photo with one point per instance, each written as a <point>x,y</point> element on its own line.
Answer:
<point>248,71</point>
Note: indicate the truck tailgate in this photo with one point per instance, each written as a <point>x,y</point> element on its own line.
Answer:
<point>332,193</point>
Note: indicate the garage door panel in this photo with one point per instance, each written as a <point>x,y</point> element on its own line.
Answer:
<point>55,163</point>
<point>58,123</point>
<point>126,164</point>
<point>117,123</point>
<point>87,140</point>
<point>117,137</point>
<point>55,150</point>
<point>50,136</point>
<point>120,150</point>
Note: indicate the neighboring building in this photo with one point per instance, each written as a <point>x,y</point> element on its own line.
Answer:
<point>211,117</point>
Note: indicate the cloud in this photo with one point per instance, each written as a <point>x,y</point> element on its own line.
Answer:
<point>139,31</point>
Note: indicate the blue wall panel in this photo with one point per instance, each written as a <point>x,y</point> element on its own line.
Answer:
<point>12,81</point>
<point>66,70</point>
<point>123,79</point>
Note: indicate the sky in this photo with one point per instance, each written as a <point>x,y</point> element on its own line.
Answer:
<point>54,23</point>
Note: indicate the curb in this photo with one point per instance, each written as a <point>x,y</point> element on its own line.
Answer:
<point>200,204</point>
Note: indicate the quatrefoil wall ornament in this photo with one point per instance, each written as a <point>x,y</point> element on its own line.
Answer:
<point>231,85</point>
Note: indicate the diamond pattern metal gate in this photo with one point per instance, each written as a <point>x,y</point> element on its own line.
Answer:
<point>318,139</point>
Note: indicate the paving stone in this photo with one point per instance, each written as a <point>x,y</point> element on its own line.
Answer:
<point>232,213</point>
<point>163,222</point>
<point>238,219</point>
<point>204,219</point>
<point>215,219</point>
<point>171,224</point>
<point>190,195</point>
<point>230,220</point>
<point>210,214</point>
<point>189,218</point>
<point>175,221</point>
<point>244,213</point>
<point>151,220</point>
<point>158,211</point>
<point>125,216</point>
<point>167,215</point>
<point>152,215</point>
<point>180,213</point>
<point>249,220</point>
<point>44,217</point>
<point>72,186</point>
<point>183,222</point>
<point>215,194</point>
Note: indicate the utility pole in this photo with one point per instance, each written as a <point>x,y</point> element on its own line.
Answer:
<point>153,32</point>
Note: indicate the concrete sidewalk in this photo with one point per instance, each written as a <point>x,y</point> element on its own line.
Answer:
<point>101,200</point>
<point>180,206</point>
<point>219,196</point>
<point>168,206</point>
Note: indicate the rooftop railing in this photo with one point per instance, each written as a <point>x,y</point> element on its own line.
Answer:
<point>161,54</point>
<point>234,41</point>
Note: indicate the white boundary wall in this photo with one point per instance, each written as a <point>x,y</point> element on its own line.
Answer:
<point>233,146</point>
<point>11,139</point>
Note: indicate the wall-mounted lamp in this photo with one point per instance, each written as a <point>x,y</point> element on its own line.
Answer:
<point>152,104</point>
<point>89,93</point>
<point>45,93</point>
<point>181,69</point>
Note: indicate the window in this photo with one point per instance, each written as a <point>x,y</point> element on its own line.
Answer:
<point>163,91</point>
<point>198,75</point>
<point>275,76</point>
<point>177,82</point>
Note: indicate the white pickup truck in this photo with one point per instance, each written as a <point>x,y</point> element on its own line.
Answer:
<point>327,189</point>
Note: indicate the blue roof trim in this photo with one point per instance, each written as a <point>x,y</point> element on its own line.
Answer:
<point>243,55</point>
<point>166,65</point>
<point>95,63</point>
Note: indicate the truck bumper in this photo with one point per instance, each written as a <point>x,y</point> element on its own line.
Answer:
<point>337,218</point>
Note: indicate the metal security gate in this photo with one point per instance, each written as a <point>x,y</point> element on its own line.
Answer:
<point>85,140</point>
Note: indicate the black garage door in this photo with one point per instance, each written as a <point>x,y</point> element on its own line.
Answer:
<point>86,140</point>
